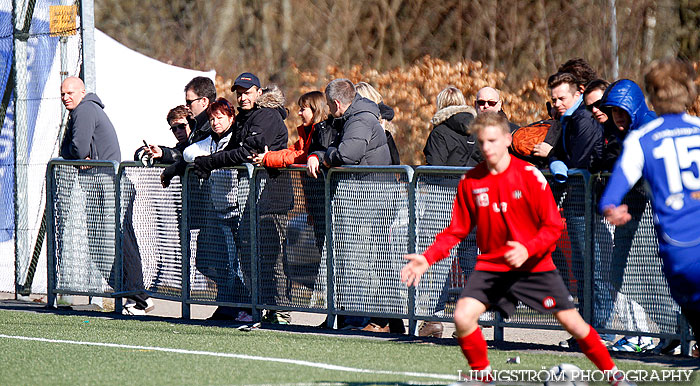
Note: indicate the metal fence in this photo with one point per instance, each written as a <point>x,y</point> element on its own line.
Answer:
<point>275,239</point>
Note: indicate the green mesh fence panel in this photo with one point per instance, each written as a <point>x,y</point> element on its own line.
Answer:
<point>218,219</point>
<point>370,237</point>
<point>84,205</point>
<point>150,224</point>
<point>291,237</point>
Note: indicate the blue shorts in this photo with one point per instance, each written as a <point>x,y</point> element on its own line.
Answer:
<point>682,269</point>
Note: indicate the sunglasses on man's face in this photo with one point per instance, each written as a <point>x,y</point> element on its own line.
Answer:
<point>483,103</point>
<point>188,102</point>
<point>595,104</point>
<point>179,126</point>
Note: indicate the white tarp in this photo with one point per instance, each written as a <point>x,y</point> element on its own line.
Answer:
<point>137,92</point>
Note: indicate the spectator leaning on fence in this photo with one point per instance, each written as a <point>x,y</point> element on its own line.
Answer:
<point>517,225</point>
<point>450,143</point>
<point>258,125</point>
<point>216,214</point>
<point>180,121</point>
<point>581,135</point>
<point>660,151</point>
<point>626,103</point>
<point>315,131</point>
<point>361,140</point>
<point>90,135</point>
<point>200,92</point>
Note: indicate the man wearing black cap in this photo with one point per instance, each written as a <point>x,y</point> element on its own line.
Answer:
<point>259,124</point>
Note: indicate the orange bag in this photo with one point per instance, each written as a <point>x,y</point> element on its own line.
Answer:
<point>526,137</point>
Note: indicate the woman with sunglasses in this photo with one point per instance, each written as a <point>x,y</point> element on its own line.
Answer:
<point>181,120</point>
<point>612,145</point>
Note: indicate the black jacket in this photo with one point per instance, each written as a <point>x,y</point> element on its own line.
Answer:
<point>450,143</point>
<point>173,155</point>
<point>387,113</point>
<point>581,140</point>
<point>201,128</point>
<point>323,136</point>
<point>90,133</point>
<point>610,150</point>
<point>254,129</point>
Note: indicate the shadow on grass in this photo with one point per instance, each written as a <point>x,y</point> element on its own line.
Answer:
<point>90,311</point>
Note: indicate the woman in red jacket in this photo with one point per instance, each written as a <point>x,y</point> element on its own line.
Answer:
<point>313,110</point>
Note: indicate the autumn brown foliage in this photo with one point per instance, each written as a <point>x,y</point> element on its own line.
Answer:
<point>412,91</point>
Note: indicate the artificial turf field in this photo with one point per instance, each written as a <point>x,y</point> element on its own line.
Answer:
<point>101,349</point>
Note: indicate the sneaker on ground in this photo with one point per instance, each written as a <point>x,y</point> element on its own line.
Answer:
<point>372,327</point>
<point>431,329</point>
<point>149,305</point>
<point>572,343</point>
<point>244,317</point>
<point>625,345</point>
<point>133,311</point>
<point>277,317</point>
<point>569,343</point>
<point>129,303</point>
<point>666,347</point>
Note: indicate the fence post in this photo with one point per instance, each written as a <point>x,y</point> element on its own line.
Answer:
<point>412,323</point>
<point>185,245</point>
<point>253,205</point>
<point>498,327</point>
<point>330,277</point>
<point>118,258</point>
<point>589,253</point>
<point>50,238</point>
<point>685,335</point>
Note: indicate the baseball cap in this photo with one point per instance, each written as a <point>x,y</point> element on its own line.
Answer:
<point>246,80</point>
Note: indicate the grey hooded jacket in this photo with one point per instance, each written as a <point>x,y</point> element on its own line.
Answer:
<point>90,133</point>
<point>362,140</point>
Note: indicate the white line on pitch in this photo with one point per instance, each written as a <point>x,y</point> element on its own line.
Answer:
<point>324,366</point>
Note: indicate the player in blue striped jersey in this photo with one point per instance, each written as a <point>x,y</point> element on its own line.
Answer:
<point>666,152</point>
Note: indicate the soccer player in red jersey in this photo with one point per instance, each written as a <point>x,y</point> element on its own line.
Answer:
<point>518,224</point>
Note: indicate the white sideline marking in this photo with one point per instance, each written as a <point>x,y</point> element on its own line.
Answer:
<point>324,366</point>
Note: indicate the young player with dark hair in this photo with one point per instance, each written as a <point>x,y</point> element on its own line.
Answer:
<point>518,224</point>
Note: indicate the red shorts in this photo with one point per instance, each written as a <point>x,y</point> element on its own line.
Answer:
<point>542,291</point>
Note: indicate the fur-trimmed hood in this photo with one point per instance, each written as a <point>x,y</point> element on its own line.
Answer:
<point>447,112</point>
<point>272,97</point>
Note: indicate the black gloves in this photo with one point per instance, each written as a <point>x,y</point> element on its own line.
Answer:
<point>203,165</point>
<point>167,175</point>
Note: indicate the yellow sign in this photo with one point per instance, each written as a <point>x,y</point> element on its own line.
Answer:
<point>63,20</point>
